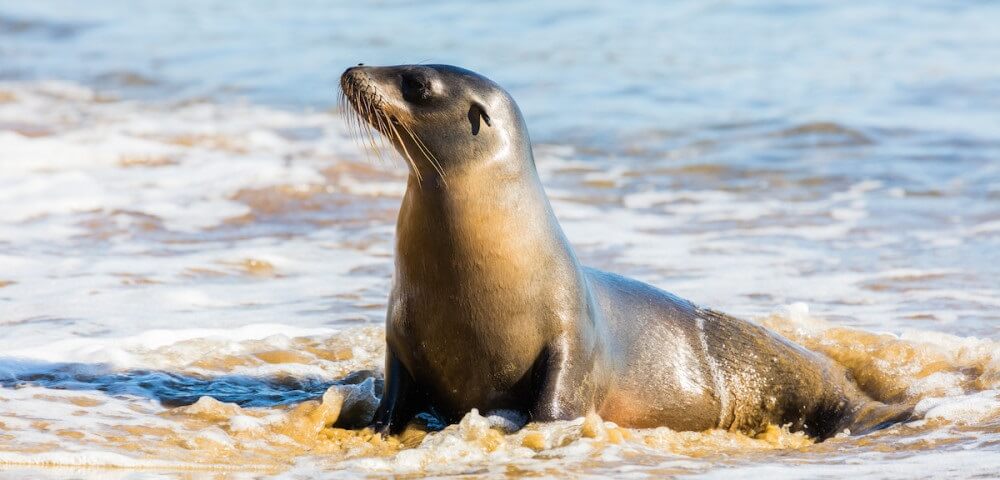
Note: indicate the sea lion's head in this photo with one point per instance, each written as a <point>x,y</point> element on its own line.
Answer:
<point>441,119</point>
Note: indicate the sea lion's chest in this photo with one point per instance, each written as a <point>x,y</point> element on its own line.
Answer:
<point>481,286</point>
<point>466,357</point>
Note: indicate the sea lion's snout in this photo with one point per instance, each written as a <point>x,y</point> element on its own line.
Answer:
<point>355,82</point>
<point>352,75</point>
<point>362,91</point>
<point>385,99</point>
<point>438,117</point>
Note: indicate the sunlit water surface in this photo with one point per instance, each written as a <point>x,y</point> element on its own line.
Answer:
<point>195,255</point>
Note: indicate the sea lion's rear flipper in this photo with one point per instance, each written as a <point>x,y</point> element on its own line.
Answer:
<point>872,416</point>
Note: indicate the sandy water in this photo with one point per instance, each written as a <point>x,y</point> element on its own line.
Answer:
<point>195,255</point>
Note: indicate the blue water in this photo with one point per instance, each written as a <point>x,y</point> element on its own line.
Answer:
<point>588,70</point>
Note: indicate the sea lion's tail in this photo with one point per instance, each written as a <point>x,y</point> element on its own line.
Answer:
<point>874,415</point>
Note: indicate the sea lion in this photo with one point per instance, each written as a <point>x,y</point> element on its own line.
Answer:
<point>491,310</point>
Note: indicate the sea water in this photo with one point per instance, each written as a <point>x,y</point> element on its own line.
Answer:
<point>195,253</point>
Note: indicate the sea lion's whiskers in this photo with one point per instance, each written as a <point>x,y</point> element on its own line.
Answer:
<point>366,116</point>
<point>362,116</point>
<point>382,121</point>
<point>368,129</point>
<point>359,128</point>
<point>423,149</point>
<point>377,122</point>
<point>420,146</point>
<point>350,116</point>
<point>406,152</point>
<point>357,124</point>
<point>382,138</point>
<point>430,156</point>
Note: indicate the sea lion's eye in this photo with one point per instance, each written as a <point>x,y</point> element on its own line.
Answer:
<point>416,89</point>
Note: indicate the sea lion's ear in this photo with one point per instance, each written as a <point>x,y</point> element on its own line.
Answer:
<point>477,111</point>
<point>486,116</point>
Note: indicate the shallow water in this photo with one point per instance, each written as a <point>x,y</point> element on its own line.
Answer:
<point>184,216</point>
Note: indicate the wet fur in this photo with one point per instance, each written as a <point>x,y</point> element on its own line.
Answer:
<point>490,308</point>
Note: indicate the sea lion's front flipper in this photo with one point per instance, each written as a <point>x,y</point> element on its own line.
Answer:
<point>399,402</point>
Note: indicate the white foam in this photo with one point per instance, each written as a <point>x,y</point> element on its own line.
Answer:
<point>97,458</point>
<point>139,351</point>
<point>936,464</point>
<point>968,409</point>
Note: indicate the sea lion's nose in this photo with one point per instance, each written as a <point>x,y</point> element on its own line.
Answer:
<point>360,67</point>
<point>353,73</point>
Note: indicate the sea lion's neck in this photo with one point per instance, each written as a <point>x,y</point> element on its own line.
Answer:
<point>487,224</point>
